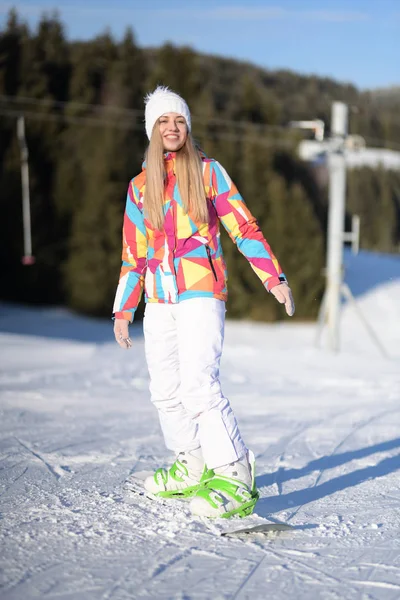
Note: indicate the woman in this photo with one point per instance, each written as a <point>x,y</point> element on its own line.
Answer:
<point>171,247</point>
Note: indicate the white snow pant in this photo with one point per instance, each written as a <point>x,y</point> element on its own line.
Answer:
<point>183,345</point>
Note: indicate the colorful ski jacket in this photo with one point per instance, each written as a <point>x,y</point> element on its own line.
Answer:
<point>185,260</point>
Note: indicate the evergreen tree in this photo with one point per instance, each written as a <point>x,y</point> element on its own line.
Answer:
<point>95,245</point>
<point>373,196</point>
<point>179,69</point>
<point>41,67</point>
<point>11,40</point>
<point>110,156</point>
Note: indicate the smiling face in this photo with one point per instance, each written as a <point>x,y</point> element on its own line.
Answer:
<point>174,131</point>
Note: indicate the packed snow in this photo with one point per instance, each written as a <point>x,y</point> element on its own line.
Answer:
<point>76,420</point>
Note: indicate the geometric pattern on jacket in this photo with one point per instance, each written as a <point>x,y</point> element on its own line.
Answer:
<point>185,260</point>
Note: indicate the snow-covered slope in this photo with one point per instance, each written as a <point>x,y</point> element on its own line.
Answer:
<point>76,420</point>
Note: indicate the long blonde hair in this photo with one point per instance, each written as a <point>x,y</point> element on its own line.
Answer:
<point>189,176</point>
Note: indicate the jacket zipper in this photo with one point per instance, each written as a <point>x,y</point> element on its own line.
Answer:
<point>211,263</point>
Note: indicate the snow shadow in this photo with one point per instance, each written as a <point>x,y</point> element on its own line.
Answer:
<point>367,270</point>
<point>58,323</point>
<point>272,504</point>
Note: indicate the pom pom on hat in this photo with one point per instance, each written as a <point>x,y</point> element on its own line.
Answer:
<point>161,101</point>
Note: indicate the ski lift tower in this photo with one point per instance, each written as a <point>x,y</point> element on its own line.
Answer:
<point>334,148</point>
<point>336,219</point>
<point>336,288</point>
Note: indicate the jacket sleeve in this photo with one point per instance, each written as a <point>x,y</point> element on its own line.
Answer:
<point>134,258</point>
<point>243,228</point>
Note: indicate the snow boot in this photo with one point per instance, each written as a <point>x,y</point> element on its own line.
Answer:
<point>231,491</point>
<point>182,479</point>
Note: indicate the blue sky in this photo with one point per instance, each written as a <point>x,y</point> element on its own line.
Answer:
<point>355,41</point>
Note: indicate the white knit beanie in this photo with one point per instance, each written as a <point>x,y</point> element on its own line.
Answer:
<point>161,101</point>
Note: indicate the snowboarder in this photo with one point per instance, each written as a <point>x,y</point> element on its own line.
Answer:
<point>172,249</point>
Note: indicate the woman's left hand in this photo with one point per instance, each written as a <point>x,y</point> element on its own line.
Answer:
<point>283,294</point>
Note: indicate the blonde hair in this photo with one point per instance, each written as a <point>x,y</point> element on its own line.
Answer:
<point>189,176</point>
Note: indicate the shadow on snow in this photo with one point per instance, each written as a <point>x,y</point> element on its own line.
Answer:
<point>273,504</point>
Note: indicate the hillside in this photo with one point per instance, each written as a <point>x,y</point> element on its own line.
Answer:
<point>273,97</point>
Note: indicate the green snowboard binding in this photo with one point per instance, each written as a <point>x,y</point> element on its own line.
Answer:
<point>230,492</point>
<point>182,480</point>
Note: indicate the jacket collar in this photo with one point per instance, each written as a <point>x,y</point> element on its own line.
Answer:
<point>170,156</point>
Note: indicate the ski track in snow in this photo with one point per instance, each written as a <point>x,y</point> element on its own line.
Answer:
<point>76,420</point>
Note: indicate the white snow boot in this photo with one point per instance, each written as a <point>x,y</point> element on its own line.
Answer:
<point>231,491</point>
<point>182,479</point>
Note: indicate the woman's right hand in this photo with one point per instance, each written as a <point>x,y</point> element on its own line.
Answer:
<point>121,332</point>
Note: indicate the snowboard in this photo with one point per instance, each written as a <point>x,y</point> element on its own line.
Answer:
<point>250,526</point>
<point>247,527</point>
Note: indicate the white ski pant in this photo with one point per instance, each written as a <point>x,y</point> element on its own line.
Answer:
<point>183,345</point>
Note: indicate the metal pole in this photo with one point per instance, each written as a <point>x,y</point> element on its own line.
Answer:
<point>355,227</point>
<point>321,320</point>
<point>27,259</point>
<point>336,214</point>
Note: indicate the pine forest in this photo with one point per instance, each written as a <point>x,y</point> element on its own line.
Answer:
<point>83,108</point>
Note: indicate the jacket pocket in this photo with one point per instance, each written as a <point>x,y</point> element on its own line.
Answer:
<point>211,262</point>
